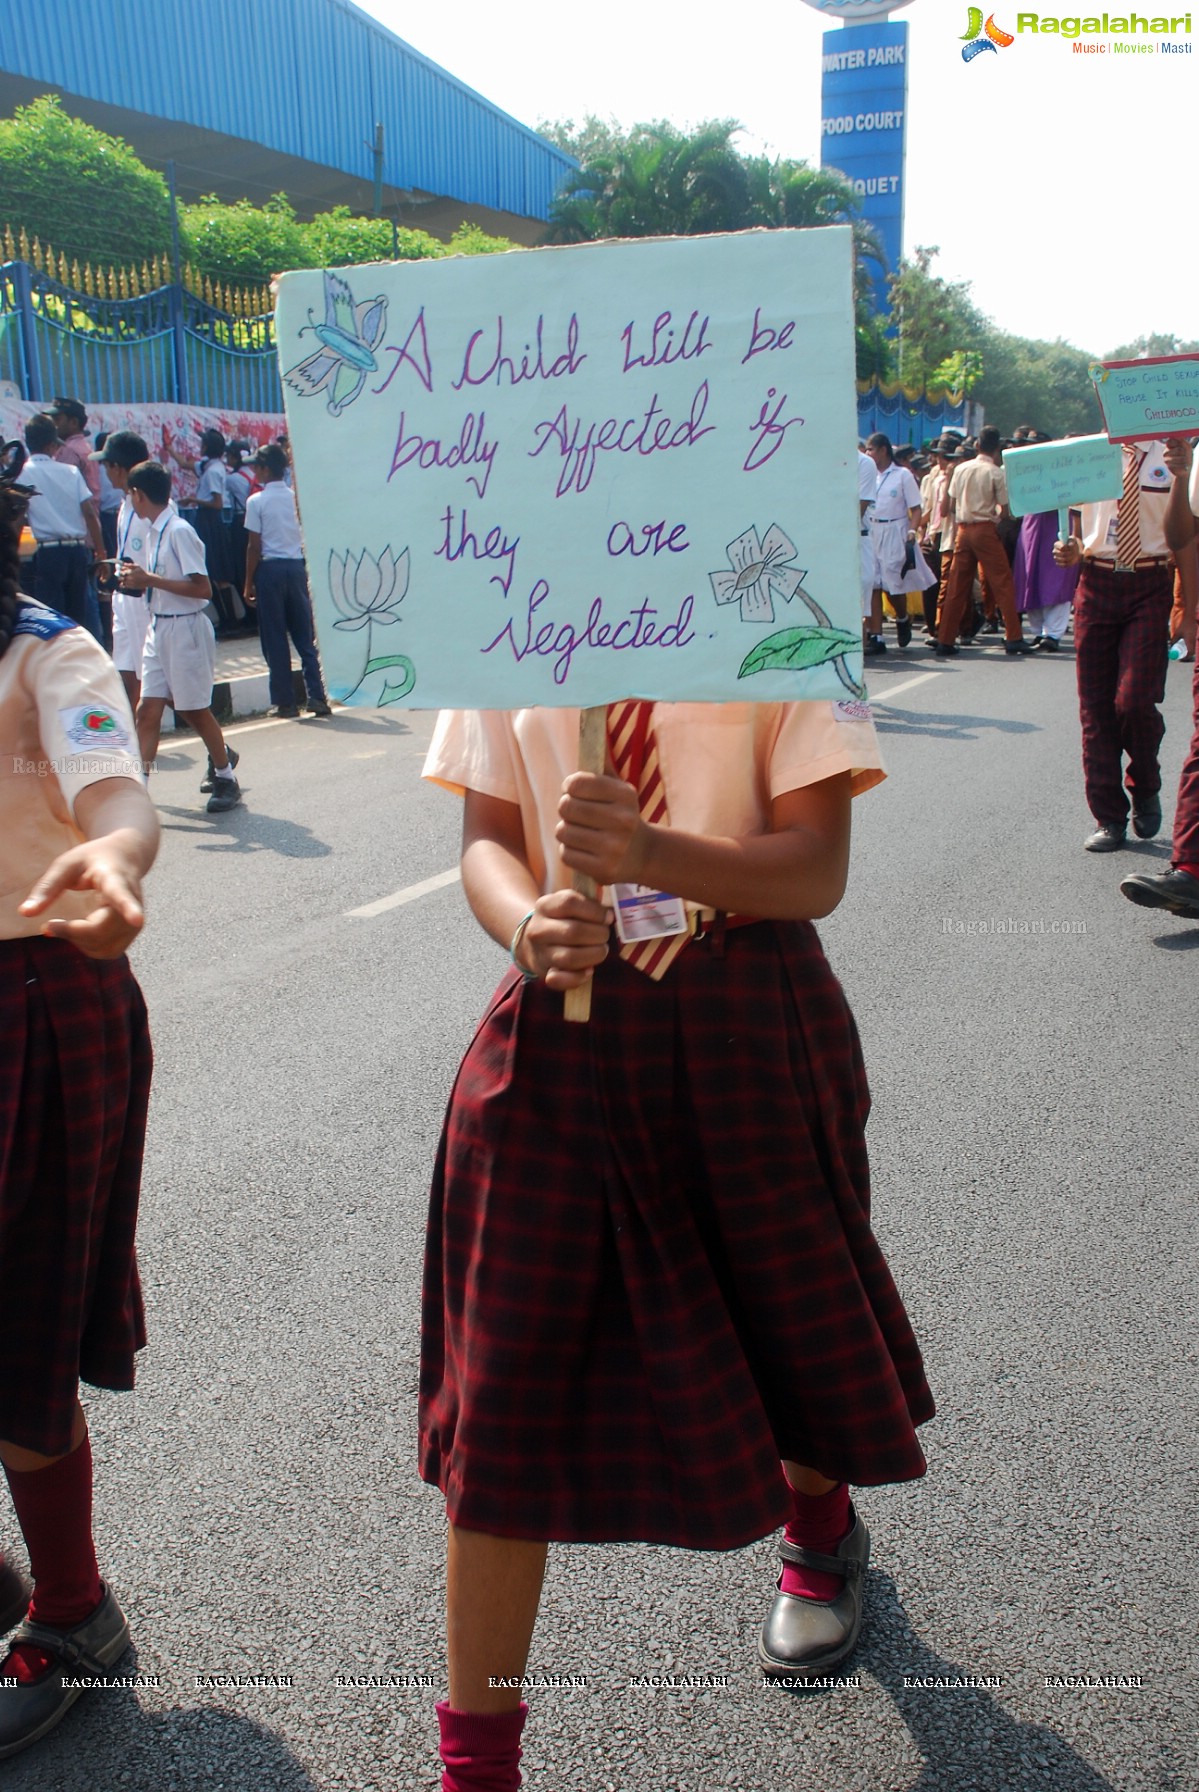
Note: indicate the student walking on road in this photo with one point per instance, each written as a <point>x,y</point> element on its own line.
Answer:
<point>180,651</point>
<point>277,583</point>
<point>650,1272</point>
<point>80,834</point>
<point>1178,889</point>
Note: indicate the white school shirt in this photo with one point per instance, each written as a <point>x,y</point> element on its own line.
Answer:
<point>271,514</point>
<point>867,488</point>
<point>211,482</point>
<point>173,550</point>
<point>897,494</point>
<point>132,532</point>
<point>64,724</point>
<point>1099,520</point>
<point>61,491</point>
<point>722,763</point>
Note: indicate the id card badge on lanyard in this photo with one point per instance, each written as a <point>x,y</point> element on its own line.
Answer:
<point>645,914</point>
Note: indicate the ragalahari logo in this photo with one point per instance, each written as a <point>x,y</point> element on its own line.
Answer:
<point>979,37</point>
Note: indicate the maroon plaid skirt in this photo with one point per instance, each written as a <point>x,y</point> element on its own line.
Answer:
<point>74,1086</point>
<point>650,1271</point>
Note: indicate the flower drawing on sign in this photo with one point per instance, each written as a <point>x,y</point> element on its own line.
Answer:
<point>348,337</point>
<point>760,573</point>
<point>366,591</point>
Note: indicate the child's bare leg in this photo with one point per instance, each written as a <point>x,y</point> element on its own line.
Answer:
<point>133,689</point>
<point>209,730</point>
<point>493,1587</point>
<point>149,727</point>
<point>807,1480</point>
<point>13,1456</point>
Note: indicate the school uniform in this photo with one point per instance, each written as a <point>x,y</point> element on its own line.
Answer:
<point>281,589</point>
<point>897,495</point>
<point>179,657</point>
<point>1186,811</point>
<point>1121,644</point>
<point>60,571</point>
<point>74,1051</point>
<point>131,609</point>
<point>867,487</point>
<point>649,1268</point>
<point>977,490</point>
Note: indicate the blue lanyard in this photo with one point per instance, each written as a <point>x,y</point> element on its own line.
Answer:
<point>165,530</point>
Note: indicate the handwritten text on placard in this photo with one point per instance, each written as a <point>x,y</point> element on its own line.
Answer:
<point>565,476</point>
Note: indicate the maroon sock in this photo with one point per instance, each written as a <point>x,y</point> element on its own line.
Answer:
<point>819,1522</point>
<point>54,1511</point>
<point>480,1750</point>
<point>1191,870</point>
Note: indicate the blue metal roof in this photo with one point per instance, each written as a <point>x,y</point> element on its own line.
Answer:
<point>306,78</point>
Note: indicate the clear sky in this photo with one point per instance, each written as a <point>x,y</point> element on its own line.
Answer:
<point>1017,163</point>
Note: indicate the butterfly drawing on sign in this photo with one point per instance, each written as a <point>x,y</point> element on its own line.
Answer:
<point>348,337</point>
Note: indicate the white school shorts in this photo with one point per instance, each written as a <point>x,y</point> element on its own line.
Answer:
<point>179,661</point>
<point>130,623</point>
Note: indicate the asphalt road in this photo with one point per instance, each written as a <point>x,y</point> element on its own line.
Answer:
<point>1031,1040</point>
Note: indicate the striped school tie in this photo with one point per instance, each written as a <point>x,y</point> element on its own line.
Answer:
<point>1128,511</point>
<point>634,752</point>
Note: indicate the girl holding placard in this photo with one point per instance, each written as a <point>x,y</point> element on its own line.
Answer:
<point>650,1274</point>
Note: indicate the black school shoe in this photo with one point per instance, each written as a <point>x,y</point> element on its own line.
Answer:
<point>210,775</point>
<point>27,1713</point>
<point>1174,890</point>
<point>226,794</point>
<point>15,1594</point>
<point>1146,816</point>
<point>803,1637</point>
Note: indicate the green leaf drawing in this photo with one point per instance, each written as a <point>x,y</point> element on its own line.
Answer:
<point>392,692</point>
<point>798,649</point>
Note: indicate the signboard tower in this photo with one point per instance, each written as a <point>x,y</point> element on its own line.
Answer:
<point>863,124</point>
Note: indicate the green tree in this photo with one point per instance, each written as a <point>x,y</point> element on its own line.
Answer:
<point>78,189</point>
<point>1158,344</point>
<point>656,181</point>
<point>1046,384</point>
<point>469,239</point>
<point>337,239</point>
<point>243,241</point>
<point>934,319</point>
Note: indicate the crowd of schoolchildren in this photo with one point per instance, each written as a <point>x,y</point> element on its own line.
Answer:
<point>156,583</point>
<point>654,1307</point>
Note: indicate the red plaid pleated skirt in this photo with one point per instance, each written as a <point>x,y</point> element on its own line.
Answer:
<point>649,1271</point>
<point>74,1086</point>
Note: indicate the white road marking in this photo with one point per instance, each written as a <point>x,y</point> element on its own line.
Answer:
<point>907,685</point>
<point>412,893</point>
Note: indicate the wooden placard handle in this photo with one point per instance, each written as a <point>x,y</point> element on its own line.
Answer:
<point>593,750</point>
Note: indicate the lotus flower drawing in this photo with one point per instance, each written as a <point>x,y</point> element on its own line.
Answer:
<point>367,591</point>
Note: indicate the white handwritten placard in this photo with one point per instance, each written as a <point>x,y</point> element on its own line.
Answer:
<point>1056,475</point>
<point>566,476</point>
<point>1150,399</point>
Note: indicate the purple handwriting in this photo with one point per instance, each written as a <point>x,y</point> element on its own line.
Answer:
<point>477,370</point>
<point>663,350</point>
<point>560,641</point>
<point>648,434</point>
<point>654,539</point>
<point>415,352</point>
<point>472,449</point>
<point>770,433</point>
<point>459,539</point>
<point>762,338</point>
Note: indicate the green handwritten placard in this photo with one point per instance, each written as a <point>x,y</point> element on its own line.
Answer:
<point>565,476</point>
<point>1056,475</point>
<point>1148,400</point>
